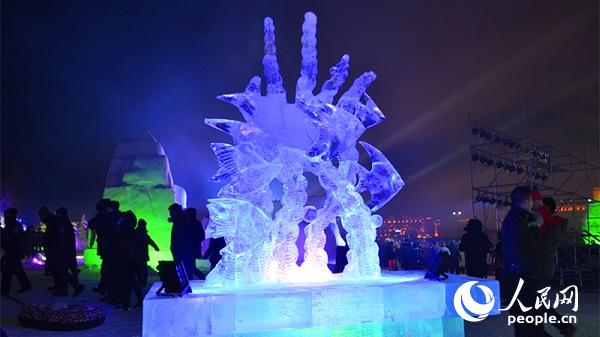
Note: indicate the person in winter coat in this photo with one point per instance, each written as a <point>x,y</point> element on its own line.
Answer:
<point>549,236</point>
<point>142,241</point>
<point>196,236</point>
<point>102,232</point>
<point>476,246</point>
<point>66,259</point>
<point>12,245</point>
<point>112,257</point>
<point>519,260</point>
<point>179,236</point>
<point>50,243</point>
<point>125,263</point>
<point>389,255</point>
<point>439,267</point>
<point>548,240</point>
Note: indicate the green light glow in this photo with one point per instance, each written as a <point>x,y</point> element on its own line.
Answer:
<point>150,204</point>
<point>594,222</point>
<point>91,259</point>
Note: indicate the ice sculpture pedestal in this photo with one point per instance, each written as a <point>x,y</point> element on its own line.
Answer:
<point>397,304</point>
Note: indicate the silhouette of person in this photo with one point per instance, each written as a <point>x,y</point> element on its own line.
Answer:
<point>389,255</point>
<point>142,241</point>
<point>195,237</point>
<point>476,246</point>
<point>181,239</point>
<point>101,230</point>
<point>441,263</point>
<point>50,243</point>
<point>42,237</point>
<point>548,237</point>
<point>519,260</point>
<point>125,263</point>
<point>66,257</point>
<point>11,262</point>
<point>111,258</point>
<point>178,237</point>
<point>548,240</point>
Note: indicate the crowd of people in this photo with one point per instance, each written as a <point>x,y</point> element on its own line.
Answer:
<point>122,243</point>
<point>419,254</point>
<point>525,249</point>
<point>59,249</point>
<point>474,254</point>
<point>12,243</point>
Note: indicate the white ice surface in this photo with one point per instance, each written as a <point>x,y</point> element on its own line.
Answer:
<point>395,297</point>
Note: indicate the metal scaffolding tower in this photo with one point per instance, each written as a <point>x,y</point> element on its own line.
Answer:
<point>500,162</point>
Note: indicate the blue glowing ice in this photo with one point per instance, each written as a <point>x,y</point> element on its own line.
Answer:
<point>281,141</point>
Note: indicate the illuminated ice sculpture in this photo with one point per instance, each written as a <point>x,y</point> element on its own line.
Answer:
<point>281,141</point>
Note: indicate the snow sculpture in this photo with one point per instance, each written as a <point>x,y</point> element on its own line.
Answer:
<point>282,141</point>
<point>139,177</point>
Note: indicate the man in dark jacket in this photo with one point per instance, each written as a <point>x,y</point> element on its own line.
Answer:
<point>12,241</point>
<point>66,269</point>
<point>518,242</point>
<point>520,260</point>
<point>178,231</point>
<point>184,244</point>
<point>101,232</point>
<point>193,243</point>
<point>124,263</point>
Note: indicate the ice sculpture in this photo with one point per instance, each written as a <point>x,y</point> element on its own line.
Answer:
<point>282,141</point>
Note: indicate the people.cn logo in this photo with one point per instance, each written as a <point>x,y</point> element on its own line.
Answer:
<point>474,312</point>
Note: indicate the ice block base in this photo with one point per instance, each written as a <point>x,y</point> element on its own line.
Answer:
<point>397,304</point>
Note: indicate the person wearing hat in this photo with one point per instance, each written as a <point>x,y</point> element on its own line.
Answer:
<point>548,238</point>
<point>11,243</point>
<point>541,206</point>
<point>476,246</point>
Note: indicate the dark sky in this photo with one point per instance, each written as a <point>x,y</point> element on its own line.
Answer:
<point>79,76</point>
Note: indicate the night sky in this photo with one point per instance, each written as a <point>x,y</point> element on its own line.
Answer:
<point>79,76</point>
